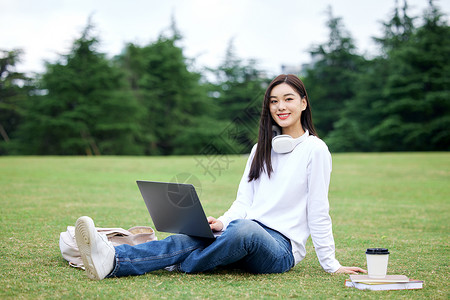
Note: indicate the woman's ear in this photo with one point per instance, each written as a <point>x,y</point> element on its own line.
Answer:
<point>304,103</point>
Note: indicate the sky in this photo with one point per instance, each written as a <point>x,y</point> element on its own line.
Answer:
<point>274,33</point>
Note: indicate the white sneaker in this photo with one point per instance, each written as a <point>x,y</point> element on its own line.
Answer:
<point>97,253</point>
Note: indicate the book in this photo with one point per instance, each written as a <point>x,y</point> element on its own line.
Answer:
<point>388,278</point>
<point>390,282</point>
<point>410,285</point>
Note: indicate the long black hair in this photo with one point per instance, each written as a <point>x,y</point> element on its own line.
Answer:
<point>262,159</point>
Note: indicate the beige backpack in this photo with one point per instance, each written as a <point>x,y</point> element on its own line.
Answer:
<point>117,236</point>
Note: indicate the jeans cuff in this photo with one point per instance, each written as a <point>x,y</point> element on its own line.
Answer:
<point>115,268</point>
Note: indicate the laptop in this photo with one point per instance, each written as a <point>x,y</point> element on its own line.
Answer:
<point>176,208</point>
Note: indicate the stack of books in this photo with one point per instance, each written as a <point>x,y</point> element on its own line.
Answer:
<point>390,282</point>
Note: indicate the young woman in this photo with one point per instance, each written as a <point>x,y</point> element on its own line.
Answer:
<point>282,199</point>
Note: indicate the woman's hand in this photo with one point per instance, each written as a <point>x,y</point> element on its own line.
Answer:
<point>350,270</point>
<point>215,224</point>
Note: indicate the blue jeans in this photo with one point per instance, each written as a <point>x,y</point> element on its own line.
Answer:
<point>254,247</point>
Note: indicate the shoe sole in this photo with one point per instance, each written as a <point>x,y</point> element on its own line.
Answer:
<point>84,236</point>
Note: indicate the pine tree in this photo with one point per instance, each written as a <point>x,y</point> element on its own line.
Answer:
<point>238,91</point>
<point>415,111</point>
<point>172,98</point>
<point>14,89</point>
<point>360,114</point>
<point>397,30</point>
<point>88,108</point>
<point>359,126</point>
<point>330,81</point>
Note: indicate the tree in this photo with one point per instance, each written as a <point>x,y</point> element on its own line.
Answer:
<point>360,114</point>
<point>176,107</point>
<point>397,30</point>
<point>238,90</point>
<point>416,110</point>
<point>366,123</point>
<point>331,78</point>
<point>87,109</point>
<point>14,88</point>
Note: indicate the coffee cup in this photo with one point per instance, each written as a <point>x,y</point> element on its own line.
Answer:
<point>377,262</point>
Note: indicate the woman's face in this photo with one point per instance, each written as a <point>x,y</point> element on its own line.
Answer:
<point>286,107</point>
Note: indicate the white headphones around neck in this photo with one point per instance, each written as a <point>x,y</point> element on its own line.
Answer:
<point>284,143</point>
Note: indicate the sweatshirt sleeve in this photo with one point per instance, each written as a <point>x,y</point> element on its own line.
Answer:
<point>244,198</point>
<point>319,220</point>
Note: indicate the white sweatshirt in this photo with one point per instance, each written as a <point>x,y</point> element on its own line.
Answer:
<point>293,201</point>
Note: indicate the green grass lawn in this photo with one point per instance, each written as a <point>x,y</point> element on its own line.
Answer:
<point>398,201</point>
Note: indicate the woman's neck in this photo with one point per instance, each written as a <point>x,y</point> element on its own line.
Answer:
<point>293,131</point>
